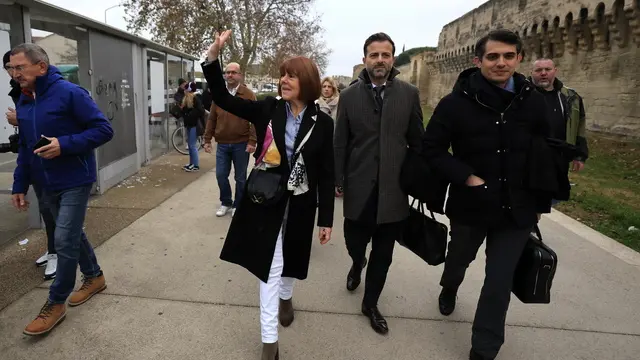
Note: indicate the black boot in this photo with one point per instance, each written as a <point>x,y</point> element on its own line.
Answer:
<point>270,351</point>
<point>355,275</point>
<point>475,356</point>
<point>285,313</point>
<point>447,301</point>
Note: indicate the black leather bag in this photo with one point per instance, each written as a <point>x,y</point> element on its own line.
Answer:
<point>265,187</point>
<point>535,271</point>
<point>420,182</point>
<point>424,236</point>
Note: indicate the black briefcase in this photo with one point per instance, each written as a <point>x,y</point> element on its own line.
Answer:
<point>424,236</point>
<point>535,271</point>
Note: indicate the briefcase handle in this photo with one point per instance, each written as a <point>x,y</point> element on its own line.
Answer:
<point>538,233</point>
<point>421,205</point>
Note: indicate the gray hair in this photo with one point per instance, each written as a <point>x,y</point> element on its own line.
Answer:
<point>33,52</point>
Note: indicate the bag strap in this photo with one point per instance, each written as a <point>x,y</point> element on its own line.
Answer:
<point>538,233</point>
<point>304,140</point>
<point>421,206</point>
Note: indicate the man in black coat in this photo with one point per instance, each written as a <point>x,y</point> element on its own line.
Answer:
<point>379,118</point>
<point>489,121</point>
<point>14,93</point>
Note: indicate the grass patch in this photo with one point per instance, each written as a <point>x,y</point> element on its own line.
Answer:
<point>427,111</point>
<point>606,194</point>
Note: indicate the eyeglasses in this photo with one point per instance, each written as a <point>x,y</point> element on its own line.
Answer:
<point>231,72</point>
<point>19,68</point>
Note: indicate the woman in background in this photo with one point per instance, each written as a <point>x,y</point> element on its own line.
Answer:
<point>192,114</point>
<point>329,100</point>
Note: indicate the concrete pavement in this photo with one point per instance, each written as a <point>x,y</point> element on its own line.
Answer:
<point>170,297</point>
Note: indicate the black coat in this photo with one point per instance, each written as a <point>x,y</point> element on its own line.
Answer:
<point>15,91</point>
<point>254,230</point>
<point>194,114</point>
<point>490,132</point>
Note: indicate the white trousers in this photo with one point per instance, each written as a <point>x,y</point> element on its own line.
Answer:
<point>276,288</point>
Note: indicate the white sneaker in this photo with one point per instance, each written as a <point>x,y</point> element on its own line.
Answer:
<point>222,211</point>
<point>52,265</point>
<point>42,261</point>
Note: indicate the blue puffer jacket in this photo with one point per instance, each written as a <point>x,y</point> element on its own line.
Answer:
<point>65,111</point>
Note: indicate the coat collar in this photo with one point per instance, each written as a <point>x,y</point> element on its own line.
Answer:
<point>309,118</point>
<point>279,122</point>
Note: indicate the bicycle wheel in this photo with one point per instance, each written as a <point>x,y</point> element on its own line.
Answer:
<point>179,140</point>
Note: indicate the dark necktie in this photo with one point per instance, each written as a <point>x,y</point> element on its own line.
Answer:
<point>378,90</point>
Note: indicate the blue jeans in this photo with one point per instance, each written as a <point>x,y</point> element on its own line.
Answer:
<point>225,155</point>
<point>69,208</point>
<point>48,219</point>
<point>193,149</point>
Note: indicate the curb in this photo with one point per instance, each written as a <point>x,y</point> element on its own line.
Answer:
<point>604,242</point>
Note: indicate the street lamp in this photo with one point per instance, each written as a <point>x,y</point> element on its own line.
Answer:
<point>109,8</point>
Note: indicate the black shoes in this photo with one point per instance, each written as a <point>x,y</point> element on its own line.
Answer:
<point>475,356</point>
<point>355,276</point>
<point>447,301</point>
<point>378,323</point>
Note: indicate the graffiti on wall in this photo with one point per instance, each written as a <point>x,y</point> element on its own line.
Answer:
<point>108,90</point>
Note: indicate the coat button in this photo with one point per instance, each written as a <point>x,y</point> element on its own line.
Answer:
<point>497,122</point>
<point>498,151</point>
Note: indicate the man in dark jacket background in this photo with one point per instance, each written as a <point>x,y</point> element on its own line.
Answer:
<point>57,142</point>
<point>489,121</point>
<point>566,111</point>
<point>379,117</point>
<point>15,91</point>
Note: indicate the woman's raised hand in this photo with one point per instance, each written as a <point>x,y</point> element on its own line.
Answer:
<point>218,43</point>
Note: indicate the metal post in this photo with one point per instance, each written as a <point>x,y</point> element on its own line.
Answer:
<point>109,8</point>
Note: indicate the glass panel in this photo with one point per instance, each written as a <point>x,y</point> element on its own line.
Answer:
<point>175,97</point>
<point>156,90</point>
<point>187,69</point>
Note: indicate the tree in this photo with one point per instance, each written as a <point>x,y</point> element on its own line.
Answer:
<point>263,30</point>
<point>405,57</point>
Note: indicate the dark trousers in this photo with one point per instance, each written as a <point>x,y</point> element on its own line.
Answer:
<point>383,237</point>
<point>504,247</point>
<point>47,218</point>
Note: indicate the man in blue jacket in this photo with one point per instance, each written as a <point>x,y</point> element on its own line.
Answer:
<point>60,126</point>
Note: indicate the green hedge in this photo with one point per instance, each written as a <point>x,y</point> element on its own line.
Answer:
<point>261,96</point>
<point>405,57</point>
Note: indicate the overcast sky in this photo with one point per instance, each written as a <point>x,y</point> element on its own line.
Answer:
<point>348,23</point>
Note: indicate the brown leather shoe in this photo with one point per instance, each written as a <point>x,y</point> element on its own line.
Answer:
<point>270,351</point>
<point>286,312</point>
<point>50,316</point>
<point>89,288</point>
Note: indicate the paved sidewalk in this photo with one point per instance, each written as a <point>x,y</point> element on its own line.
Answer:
<point>170,297</point>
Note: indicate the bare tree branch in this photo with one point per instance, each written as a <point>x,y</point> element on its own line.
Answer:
<point>264,30</point>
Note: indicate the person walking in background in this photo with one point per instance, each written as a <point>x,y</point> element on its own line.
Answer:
<point>50,258</point>
<point>566,111</point>
<point>295,141</point>
<point>236,139</point>
<point>192,113</point>
<point>329,100</point>
<point>57,142</point>
<point>379,117</point>
<point>489,121</point>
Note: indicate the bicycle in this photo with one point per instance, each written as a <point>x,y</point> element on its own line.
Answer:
<point>179,139</point>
